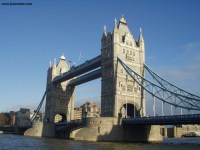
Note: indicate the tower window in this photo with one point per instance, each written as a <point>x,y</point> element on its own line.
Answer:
<point>130,43</point>
<point>127,52</point>
<point>129,88</point>
<point>124,51</point>
<point>123,88</point>
<point>130,52</point>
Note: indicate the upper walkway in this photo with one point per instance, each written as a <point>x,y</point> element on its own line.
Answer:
<point>79,70</point>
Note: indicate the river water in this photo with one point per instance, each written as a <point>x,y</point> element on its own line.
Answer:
<point>17,142</point>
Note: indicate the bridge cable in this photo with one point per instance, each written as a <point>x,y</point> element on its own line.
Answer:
<point>139,79</point>
<point>37,110</point>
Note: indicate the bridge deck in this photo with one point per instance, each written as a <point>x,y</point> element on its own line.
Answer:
<point>70,126</point>
<point>163,120</point>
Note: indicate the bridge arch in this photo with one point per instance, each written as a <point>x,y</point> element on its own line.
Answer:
<point>130,109</point>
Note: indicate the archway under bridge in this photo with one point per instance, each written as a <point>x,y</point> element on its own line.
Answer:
<point>129,111</point>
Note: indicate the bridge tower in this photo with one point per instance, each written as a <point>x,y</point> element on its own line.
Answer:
<point>60,97</point>
<point>120,95</point>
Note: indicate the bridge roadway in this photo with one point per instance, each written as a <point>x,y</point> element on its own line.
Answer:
<point>157,120</point>
<point>163,120</point>
<point>89,65</point>
<point>70,126</point>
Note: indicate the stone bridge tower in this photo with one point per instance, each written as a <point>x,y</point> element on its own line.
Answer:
<point>60,97</point>
<point>120,95</point>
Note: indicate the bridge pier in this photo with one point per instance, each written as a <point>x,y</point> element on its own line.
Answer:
<point>111,129</point>
<point>41,129</point>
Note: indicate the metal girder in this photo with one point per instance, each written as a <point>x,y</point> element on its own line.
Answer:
<point>37,110</point>
<point>86,78</point>
<point>163,120</point>
<point>81,69</point>
<point>167,85</point>
<point>163,93</point>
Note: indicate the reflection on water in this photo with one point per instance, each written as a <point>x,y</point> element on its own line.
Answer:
<point>17,142</point>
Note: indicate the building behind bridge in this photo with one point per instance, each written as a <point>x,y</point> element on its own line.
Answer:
<point>88,109</point>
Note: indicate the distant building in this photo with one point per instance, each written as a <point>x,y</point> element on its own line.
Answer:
<point>13,116</point>
<point>190,128</point>
<point>78,113</point>
<point>90,109</point>
<point>4,119</point>
<point>23,116</point>
<point>58,118</point>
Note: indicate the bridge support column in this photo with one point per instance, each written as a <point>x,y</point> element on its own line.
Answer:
<point>70,99</point>
<point>117,86</point>
<point>40,129</point>
<point>60,97</point>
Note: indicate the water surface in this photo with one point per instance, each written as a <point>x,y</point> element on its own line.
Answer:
<point>17,142</point>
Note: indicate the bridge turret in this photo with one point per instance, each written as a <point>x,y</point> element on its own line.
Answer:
<point>59,96</point>
<point>142,61</point>
<point>115,33</point>
<point>54,74</point>
<point>115,84</point>
<point>141,41</point>
<point>104,36</point>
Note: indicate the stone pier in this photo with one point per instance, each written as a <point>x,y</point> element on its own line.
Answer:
<point>111,129</point>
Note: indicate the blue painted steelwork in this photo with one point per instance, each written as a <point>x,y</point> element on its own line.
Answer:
<point>163,120</point>
<point>167,85</point>
<point>81,69</point>
<point>162,93</point>
<point>29,123</point>
<point>85,78</point>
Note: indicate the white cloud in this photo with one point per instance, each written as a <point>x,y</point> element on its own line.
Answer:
<point>191,46</point>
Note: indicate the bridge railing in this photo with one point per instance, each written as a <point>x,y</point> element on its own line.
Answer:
<point>164,117</point>
<point>72,125</point>
<point>163,120</point>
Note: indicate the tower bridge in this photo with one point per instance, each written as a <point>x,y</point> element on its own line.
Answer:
<point>121,67</point>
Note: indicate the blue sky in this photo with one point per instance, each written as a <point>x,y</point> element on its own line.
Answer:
<point>31,36</point>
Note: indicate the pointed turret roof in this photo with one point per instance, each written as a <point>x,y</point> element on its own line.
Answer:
<point>122,20</point>
<point>62,57</point>
<point>123,28</point>
<point>141,39</point>
<point>54,64</point>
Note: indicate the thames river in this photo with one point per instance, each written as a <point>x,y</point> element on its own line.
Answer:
<point>17,142</point>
